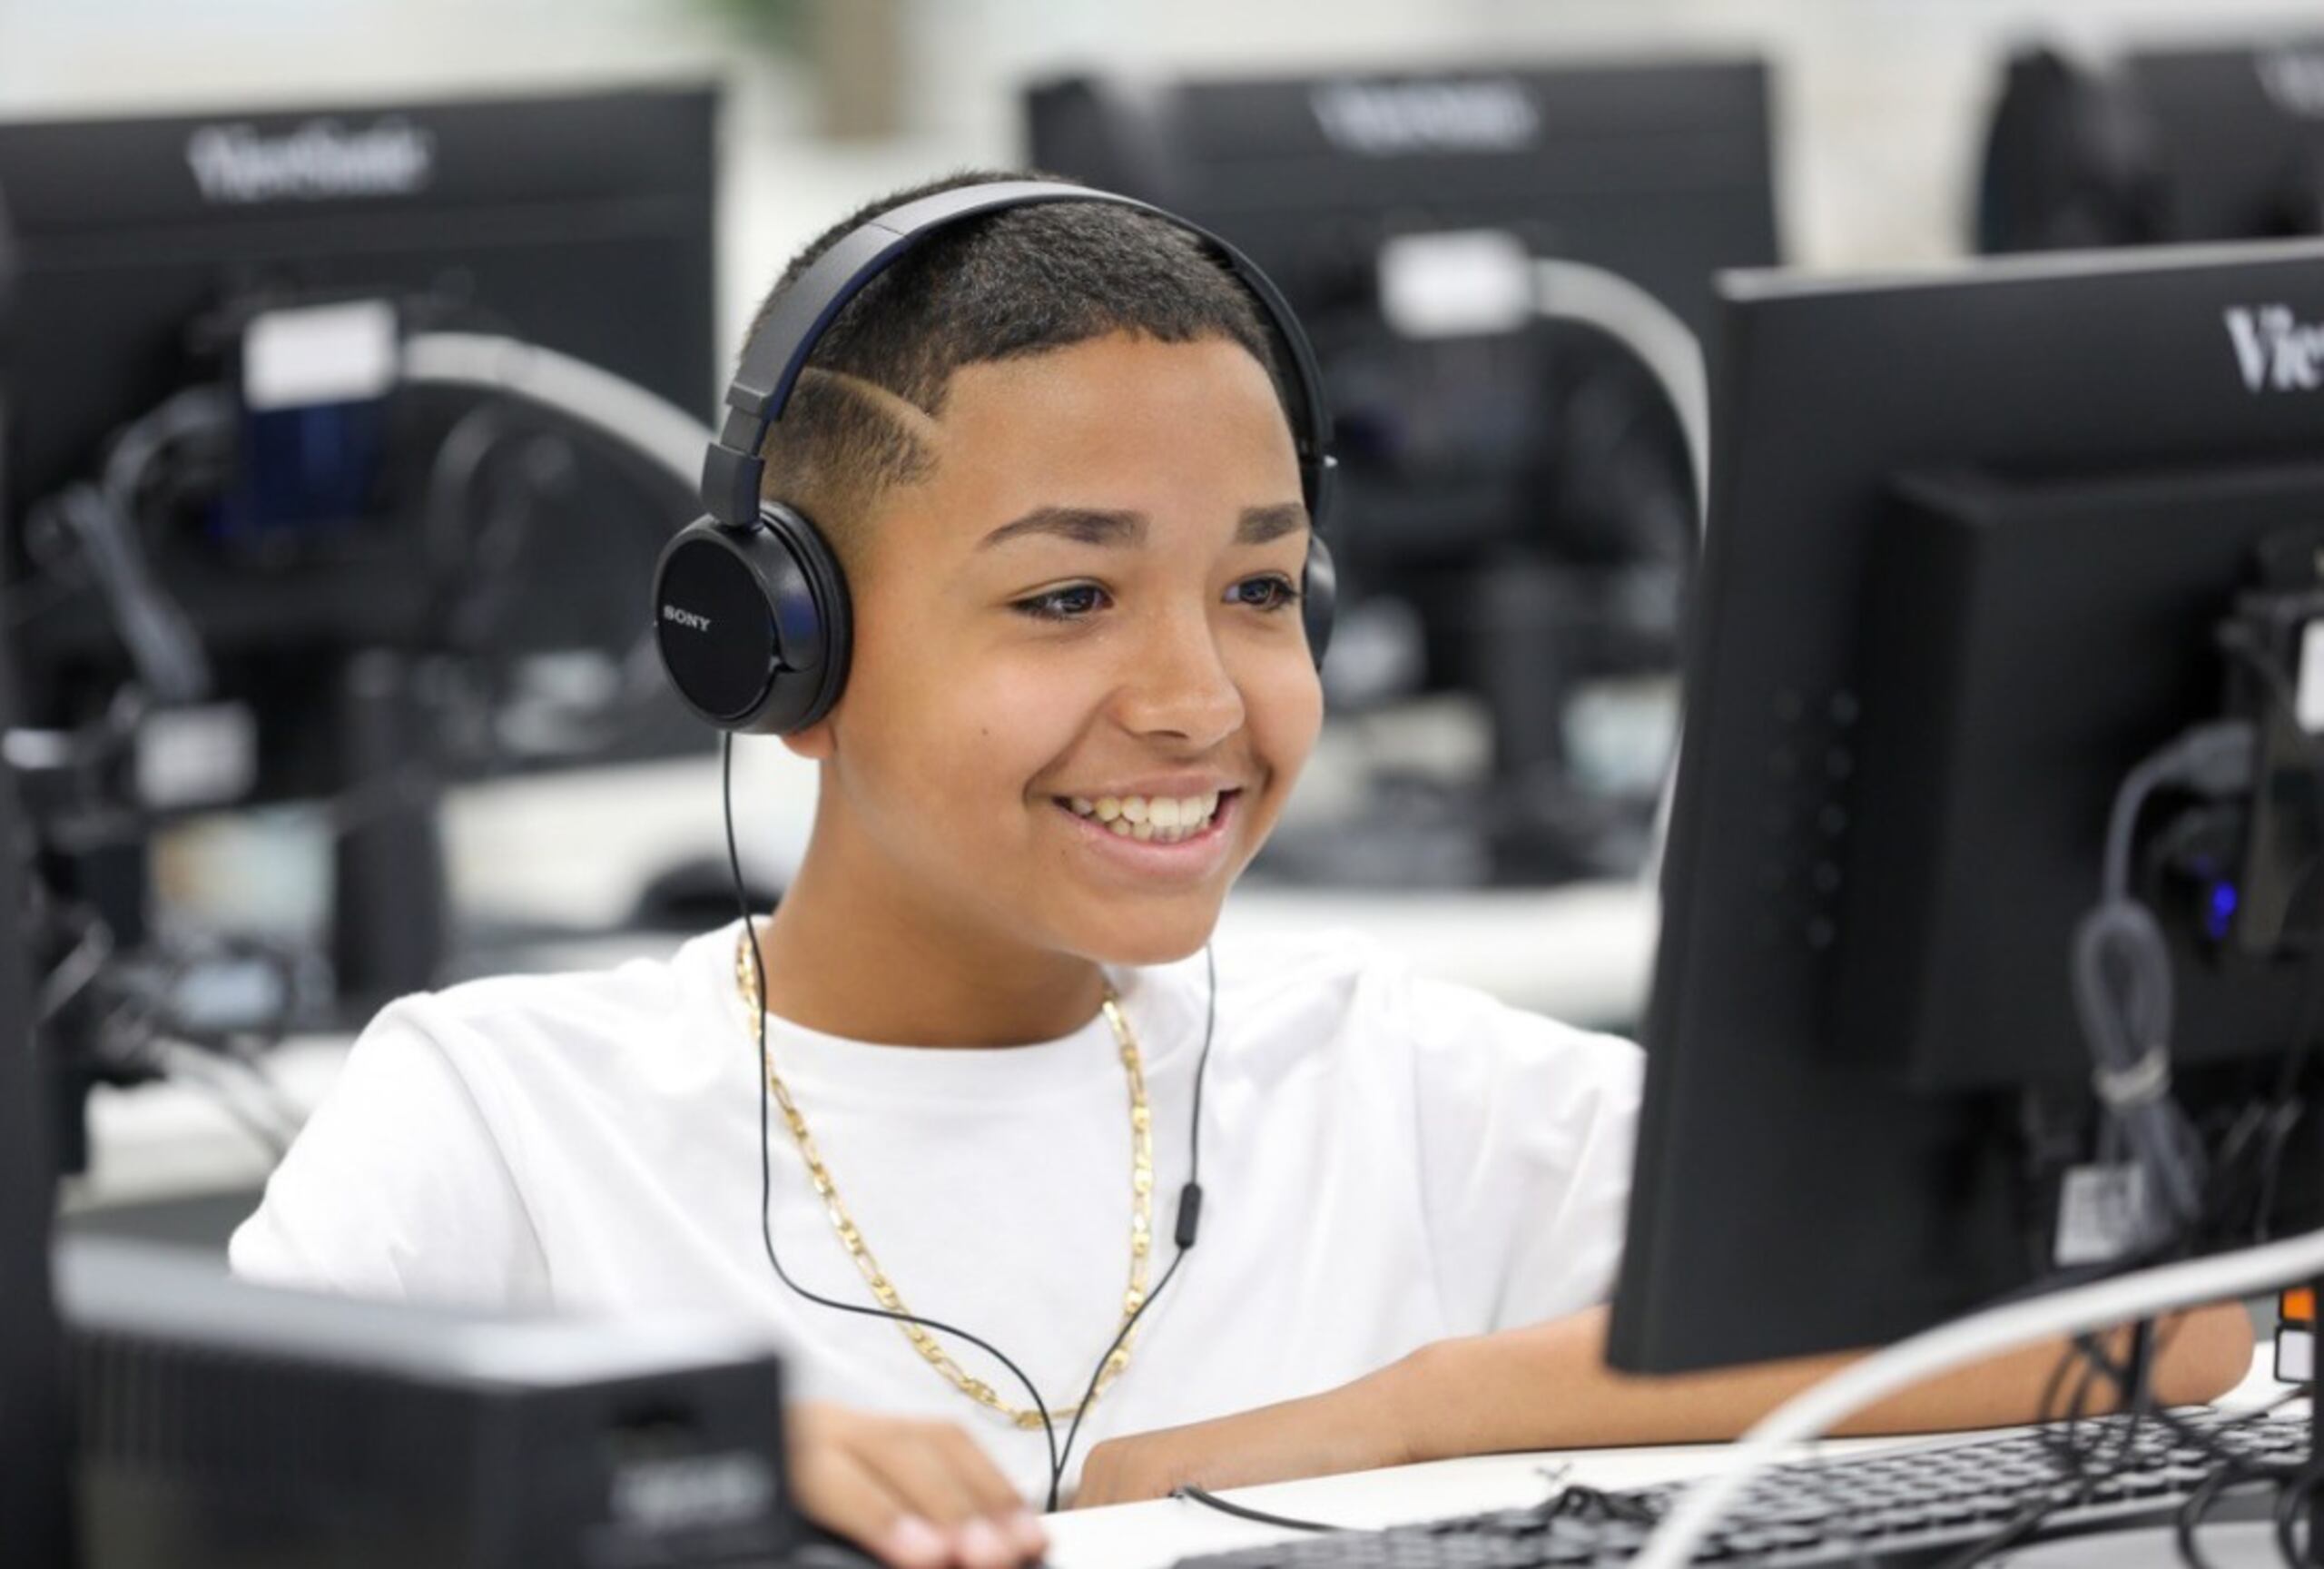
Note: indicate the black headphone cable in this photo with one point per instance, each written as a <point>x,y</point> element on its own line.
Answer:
<point>1189,1219</point>
<point>1189,1196</point>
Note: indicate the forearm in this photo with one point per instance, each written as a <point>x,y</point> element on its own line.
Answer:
<point>1547,1387</point>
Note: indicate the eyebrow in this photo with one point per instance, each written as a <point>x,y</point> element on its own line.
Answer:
<point>1090,525</point>
<point>1260,524</point>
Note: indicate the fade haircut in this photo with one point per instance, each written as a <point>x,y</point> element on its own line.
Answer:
<point>1020,281</point>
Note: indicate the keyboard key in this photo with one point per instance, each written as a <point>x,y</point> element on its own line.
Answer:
<point>1814,1516</point>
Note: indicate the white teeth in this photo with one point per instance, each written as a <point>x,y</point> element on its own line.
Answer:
<point>1157,819</point>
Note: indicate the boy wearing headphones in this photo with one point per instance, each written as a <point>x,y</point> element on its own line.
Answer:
<point>1041,588</point>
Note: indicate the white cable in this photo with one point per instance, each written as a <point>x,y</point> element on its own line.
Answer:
<point>1666,346</point>
<point>2103,1305</point>
<point>618,410</point>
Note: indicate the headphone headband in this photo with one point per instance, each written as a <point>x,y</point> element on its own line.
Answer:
<point>733,471</point>
<point>751,614</point>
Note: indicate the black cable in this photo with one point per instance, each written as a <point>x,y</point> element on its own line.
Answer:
<point>2062,1440</point>
<point>766,1165</point>
<point>1189,1196</point>
<point>2133,1381</point>
<point>2309,1016</point>
<point>1580,1501</point>
<point>2188,1519</point>
<point>1209,1026</point>
<point>82,966</point>
<point>2083,1465</point>
<point>2289,1502</point>
<point>2013,1532</point>
<point>1194,1494</point>
<point>2123,991</point>
<point>1189,1212</point>
<point>100,523</point>
<point>2233,1469</point>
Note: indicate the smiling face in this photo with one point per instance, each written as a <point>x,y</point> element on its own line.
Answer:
<point>1081,691</point>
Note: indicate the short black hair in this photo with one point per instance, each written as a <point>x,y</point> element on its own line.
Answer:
<point>1019,282</point>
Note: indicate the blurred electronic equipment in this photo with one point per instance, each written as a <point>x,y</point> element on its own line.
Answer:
<point>34,1496</point>
<point>217,1425</point>
<point>154,1412</point>
<point>279,524</point>
<point>1517,503</point>
<point>1992,948</point>
<point>2217,144</point>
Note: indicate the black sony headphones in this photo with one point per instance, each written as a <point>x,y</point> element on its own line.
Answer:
<point>750,609</point>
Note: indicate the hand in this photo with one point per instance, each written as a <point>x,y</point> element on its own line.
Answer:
<point>1354,1427</point>
<point>917,1494</point>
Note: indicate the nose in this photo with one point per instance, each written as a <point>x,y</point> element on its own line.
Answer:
<point>1175,684</point>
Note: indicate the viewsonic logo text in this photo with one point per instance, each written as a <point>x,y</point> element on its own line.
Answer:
<point>2275,350</point>
<point>1385,119</point>
<point>320,159</point>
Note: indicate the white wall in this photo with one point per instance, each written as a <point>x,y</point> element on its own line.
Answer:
<point>1881,104</point>
<point>1881,101</point>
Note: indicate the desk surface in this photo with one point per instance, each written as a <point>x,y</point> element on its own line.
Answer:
<point>1153,1534</point>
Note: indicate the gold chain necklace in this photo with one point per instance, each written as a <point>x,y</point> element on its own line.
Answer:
<point>1141,1222</point>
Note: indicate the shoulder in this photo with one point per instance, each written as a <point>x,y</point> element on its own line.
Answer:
<point>659,1018</point>
<point>1336,992</point>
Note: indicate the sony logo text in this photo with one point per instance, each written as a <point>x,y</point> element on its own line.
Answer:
<point>685,618</point>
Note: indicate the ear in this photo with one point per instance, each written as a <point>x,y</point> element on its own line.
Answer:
<point>815,743</point>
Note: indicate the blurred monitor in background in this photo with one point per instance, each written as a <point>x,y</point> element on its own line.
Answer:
<point>2164,146</point>
<point>252,550</point>
<point>1516,497</point>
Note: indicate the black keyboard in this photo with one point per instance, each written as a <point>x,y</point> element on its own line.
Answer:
<point>1899,1505</point>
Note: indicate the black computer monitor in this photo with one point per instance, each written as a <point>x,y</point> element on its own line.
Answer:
<point>391,588</point>
<point>33,1447</point>
<point>1970,539</point>
<point>1526,490</point>
<point>2161,147</point>
<point>2240,138</point>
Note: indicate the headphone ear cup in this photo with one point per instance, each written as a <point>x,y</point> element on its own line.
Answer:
<point>754,625</point>
<point>1319,595</point>
<point>816,632</point>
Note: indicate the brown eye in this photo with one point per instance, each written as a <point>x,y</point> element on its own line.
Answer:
<point>1269,593</point>
<point>1070,602</point>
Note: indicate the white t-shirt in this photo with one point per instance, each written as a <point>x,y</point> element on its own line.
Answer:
<point>1386,1161</point>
